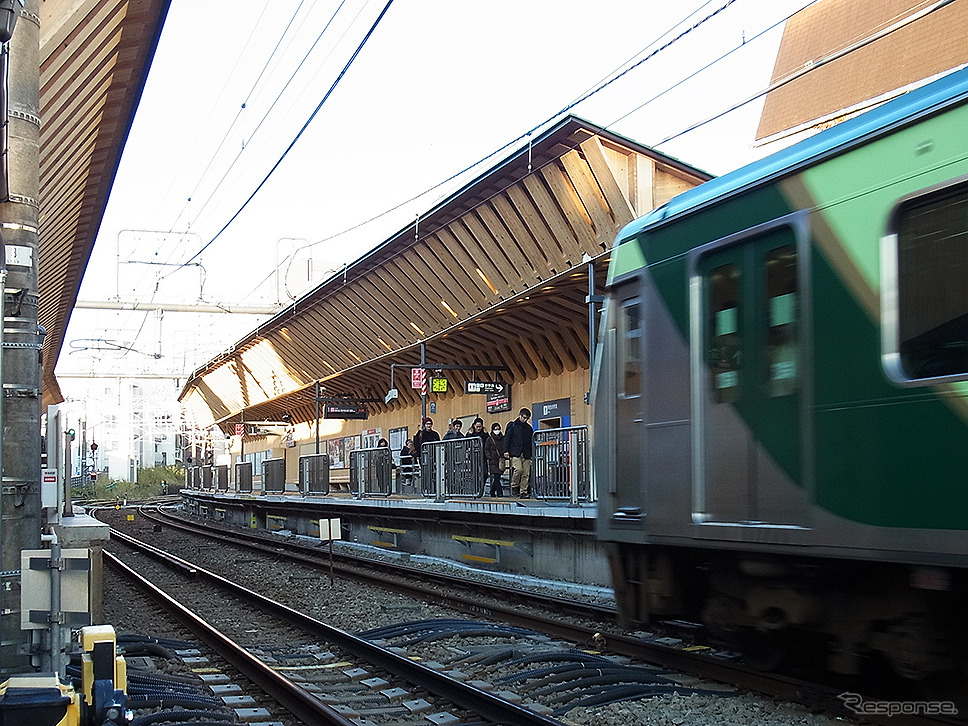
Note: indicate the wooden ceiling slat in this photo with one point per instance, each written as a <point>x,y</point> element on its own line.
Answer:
<point>362,327</point>
<point>620,205</point>
<point>388,326</point>
<point>535,367</point>
<point>481,292</point>
<point>421,277</point>
<point>551,213</point>
<point>420,293</point>
<point>393,288</point>
<point>567,200</point>
<point>307,327</point>
<point>381,293</point>
<point>451,276</point>
<point>592,199</point>
<point>510,232</point>
<point>547,258</point>
<point>537,228</point>
<point>477,256</point>
<point>517,263</point>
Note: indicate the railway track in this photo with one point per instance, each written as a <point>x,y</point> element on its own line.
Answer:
<point>359,664</point>
<point>573,622</point>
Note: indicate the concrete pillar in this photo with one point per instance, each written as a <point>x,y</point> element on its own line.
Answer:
<point>20,525</point>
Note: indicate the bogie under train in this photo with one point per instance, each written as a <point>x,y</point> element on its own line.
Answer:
<point>781,396</point>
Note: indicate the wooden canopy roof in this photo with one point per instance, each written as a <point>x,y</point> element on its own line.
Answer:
<point>493,276</point>
<point>94,59</point>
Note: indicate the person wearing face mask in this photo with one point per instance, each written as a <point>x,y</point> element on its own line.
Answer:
<point>494,456</point>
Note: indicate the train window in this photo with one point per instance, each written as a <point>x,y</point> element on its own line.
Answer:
<point>932,275</point>
<point>723,345</point>
<point>781,321</point>
<point>630,355</point>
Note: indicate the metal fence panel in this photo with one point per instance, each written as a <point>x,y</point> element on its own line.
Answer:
<point>274,476</point>
<point>221,478</point>
<point>452,468</point>
<point>560,466</point>
<point>314,474</point>
<point>243,476</point>
<point>207,483</point>
<point>370,472</point>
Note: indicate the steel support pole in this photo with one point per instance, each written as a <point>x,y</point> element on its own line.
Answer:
<point>22,337</point>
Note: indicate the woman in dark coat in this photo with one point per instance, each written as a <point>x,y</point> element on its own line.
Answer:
<point>477,430</point>
<point>494,455</point>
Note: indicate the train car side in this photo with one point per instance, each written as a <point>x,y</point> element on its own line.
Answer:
<point>780,402</point>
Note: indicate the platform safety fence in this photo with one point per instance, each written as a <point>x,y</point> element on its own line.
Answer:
<point>560,467</point>
<point>314,474</point>
<point>274,476</point>
<point>243,477</point>
<point>221,478</point>
<point>408,475</point>
<point>371,472</point>
<point>452,468</point>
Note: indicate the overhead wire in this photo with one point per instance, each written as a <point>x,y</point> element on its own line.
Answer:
<point>302,130</point>
<point>800,72</point>
<point>246,144</point>
<point>611,78</point>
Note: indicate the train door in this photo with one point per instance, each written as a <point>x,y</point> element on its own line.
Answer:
<point>747,306</point>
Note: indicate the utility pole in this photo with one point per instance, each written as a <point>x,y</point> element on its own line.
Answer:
<point>22,337</point>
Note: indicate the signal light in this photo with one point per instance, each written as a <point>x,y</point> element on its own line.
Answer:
<point>93,446</point>
<point>70,432</point>
<point>93,476</point>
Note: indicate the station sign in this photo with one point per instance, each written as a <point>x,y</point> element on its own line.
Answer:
<point>418,378</point>
<point>492,387</point>
<point>499,402</point>
<point>438,385</point>
<point>345,411</point>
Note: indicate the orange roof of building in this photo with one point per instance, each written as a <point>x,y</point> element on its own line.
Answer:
<point>926,47</point>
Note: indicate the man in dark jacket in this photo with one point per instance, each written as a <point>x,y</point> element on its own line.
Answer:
<point>518,449</point>
<point>425,434</point>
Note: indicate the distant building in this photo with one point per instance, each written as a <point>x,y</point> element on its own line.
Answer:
<point>134,422</point>
<point>841,57</point>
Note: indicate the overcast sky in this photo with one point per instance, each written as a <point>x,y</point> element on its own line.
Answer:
<point>439,85</point>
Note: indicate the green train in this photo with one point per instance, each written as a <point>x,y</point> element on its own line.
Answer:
<point>780,397</point>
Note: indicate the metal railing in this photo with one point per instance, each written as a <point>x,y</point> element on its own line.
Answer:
<point>274,476</point>
<point>222,478</point>
<point>207,483</point>
<point>314,474</point>
<point>370,472</point>
<point>408,475</point>
<point>452,468</point>
<point>560,469</point>
<point>243,477</point>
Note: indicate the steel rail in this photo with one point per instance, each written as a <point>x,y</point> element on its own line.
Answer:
<point>292,697</point>
<point>484,704</point>
<point>696,663</point>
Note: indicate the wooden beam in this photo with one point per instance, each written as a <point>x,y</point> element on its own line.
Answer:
<point>619,204</point>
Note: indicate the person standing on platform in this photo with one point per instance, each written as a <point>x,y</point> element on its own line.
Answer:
<point>494,456</point>
<point>454,430</point>
<point>518,449</point>
<point>424,435</point>
<point>477,430</point>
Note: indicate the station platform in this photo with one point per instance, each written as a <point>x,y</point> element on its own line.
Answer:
<point>540,538</point>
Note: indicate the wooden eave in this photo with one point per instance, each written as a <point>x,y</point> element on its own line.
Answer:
<point>94,59</point>
<point>496,272</point>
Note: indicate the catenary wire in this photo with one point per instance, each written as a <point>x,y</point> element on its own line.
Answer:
<point>302,130</point>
